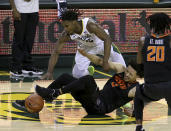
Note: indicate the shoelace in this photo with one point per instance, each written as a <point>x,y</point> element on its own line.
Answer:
<point>53,94</point>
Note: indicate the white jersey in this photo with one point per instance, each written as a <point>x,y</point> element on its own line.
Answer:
<point>86,40</point>
<point>93,45</point>
<point>27,7</point>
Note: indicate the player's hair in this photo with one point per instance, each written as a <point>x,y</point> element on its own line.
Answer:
<point>69,14</point>
<point>138,67</point>
<point>160,22</point>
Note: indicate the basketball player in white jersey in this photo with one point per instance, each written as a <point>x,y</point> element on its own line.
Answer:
<point>90,37</point>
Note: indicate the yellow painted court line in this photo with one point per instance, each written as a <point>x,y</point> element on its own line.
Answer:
<point>4,73</point>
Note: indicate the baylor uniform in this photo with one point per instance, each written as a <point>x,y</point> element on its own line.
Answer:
<point>93,45</point>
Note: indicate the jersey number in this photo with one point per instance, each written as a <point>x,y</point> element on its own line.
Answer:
<point>156,53</point>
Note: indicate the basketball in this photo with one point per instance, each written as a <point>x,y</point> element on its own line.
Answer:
<point>34,103</point>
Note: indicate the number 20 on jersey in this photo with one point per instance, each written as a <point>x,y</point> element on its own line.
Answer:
<point>156,53</point>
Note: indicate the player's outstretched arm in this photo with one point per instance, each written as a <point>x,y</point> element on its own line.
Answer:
<point>117,67</point>
<point>101,34</point>
<point>55,55</point>
<point>139,54</point>
<point>93,58</point>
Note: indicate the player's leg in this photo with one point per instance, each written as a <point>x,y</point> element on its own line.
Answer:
<point>30,35</point>
<point>18,45</point>
<point>139,100</point>
<point>87,84</point>
<point>116,56</point>
<point>138,110</point>
<point>32,22</point>
<point>75,86</point>
<point>82,84</point>
<point>89,96</point>
<point>61,81</point>
<point>81,67</point>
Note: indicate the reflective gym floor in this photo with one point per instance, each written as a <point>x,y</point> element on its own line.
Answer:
<point>66,114</point>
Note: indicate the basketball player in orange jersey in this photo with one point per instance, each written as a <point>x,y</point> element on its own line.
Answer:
<point>154,53</point>
<point>89,36</point>
<point>118,90</point>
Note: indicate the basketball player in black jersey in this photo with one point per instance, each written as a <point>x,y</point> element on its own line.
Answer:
<point>118,90</point>
<point>155,55</point>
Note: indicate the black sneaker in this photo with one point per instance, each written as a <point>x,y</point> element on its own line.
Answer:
<point>139,128</point>
<point>46,93</point>
<point>32,70</point>
<point>15,69</point>
<point>20,104</point>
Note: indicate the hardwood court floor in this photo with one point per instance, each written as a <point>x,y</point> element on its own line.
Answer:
<point>66,114</point>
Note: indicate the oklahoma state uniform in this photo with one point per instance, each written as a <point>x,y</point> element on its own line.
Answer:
<point>115,92</point>
<point>112,96</point>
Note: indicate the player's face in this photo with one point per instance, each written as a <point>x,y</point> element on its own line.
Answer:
<point>130,74</point>
<point>69,26</point>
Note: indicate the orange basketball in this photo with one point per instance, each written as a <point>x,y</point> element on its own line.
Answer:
<point>34,103</point>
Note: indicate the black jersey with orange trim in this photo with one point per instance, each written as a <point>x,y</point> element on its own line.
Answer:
<point>115,92</point>
<point>157,58</point>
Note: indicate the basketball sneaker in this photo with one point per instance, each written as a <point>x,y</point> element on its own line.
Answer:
<point>15,70</point>
<point>46,93</point>
<point>139,128</point>
<point>91,70</point>
<point>31,70</point>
